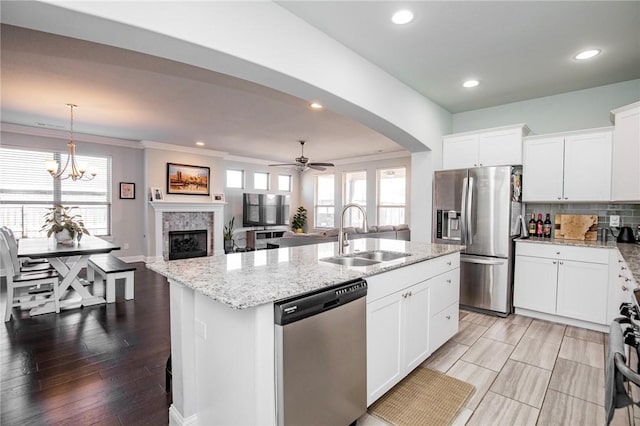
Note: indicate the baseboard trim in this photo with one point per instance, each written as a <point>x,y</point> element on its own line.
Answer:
<point>176,419</point>
<point>562,320</point>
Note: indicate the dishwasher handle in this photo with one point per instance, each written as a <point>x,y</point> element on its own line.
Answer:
<point>298,308</point>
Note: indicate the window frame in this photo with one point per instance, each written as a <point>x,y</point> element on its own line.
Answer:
<point>57,194</point>
<point>290,183</point>
<point>242,179</point>
<point>353,216</point>
<point>379,205</point>
<point>315,200</point>
<point>268,178</point>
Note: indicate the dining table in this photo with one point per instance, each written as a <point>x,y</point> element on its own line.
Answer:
<point>68,261</point>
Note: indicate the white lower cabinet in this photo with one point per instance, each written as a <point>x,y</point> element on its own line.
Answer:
<point>572,282</point>
<point>402,327</point>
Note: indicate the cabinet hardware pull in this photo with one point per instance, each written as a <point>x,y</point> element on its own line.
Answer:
<point>559,198</point>
<point>554,262</point>
<point>622,268</point>
<point>449,281</point>
<point>561,262</point>
<point>566,198</point>
<point>410,294</point>
<point>449,263</point>
<point>620,260</point>
<point>624,288</point>
<point>448,316</point>
<point>627,279</point>
<point>557,252</point>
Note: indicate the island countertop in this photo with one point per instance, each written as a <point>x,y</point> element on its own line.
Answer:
<point>245,280</point>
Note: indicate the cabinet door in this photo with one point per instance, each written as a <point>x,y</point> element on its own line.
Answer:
<point>384,357</point>
<point>587,167</point>
<point>460,152</point>
<point>535,284</point>
<point>415,325</point>
<point>500,148</point>
<point>582,291</point>
<point>626,156</point>
<point>543,169</point>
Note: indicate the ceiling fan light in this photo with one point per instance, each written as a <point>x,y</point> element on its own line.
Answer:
<point>470,83</point>
<point>401,17</point>
<point>316,105</point>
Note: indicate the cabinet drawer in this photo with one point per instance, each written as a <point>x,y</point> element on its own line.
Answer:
<point>555,251</point>
<point>443,326</point>
<point>443,264</point>
<point>445,290</point>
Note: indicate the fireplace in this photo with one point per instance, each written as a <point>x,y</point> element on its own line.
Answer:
<point>187,244</point>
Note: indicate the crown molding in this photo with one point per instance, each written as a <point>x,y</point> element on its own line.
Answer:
<point>64,134</point>
<point>182,148</point>
<point>373,157</point>
<point>251,160</point>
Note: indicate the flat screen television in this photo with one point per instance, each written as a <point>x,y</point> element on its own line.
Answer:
<point>265,209</point>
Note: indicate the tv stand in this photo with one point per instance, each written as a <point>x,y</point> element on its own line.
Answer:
<point>258,240</point>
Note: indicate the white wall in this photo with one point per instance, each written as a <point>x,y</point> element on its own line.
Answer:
<point>127,224</point>
<point>582,109</point>
<point>307,187</point>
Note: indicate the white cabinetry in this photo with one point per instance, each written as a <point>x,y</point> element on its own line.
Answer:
<point>626,153</point>
<point>400,324</point>
<point>490,147</point>
<point>572,282</point>
<point>572,166</point>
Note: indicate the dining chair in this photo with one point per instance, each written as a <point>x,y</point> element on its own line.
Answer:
<point>17,282</point>
<point>13,251</point>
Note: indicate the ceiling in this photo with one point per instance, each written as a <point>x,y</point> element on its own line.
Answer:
<point>517,50</point>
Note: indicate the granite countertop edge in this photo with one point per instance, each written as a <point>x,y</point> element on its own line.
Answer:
<point>247,280</point>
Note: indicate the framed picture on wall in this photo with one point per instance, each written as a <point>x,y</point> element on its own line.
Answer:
<point>187,180</point>
<point>156,194</point>
<point>127,190</point>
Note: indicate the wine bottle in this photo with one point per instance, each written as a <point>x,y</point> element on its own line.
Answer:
<point>532,226</point>
<point>539,226</point>
<point>547,227</point>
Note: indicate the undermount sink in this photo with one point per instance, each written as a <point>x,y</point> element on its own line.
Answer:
<point>382,256</point>
<point>366,258</point>
<point>350,261</point>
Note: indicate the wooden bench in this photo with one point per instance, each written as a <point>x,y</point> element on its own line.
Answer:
<point>110,268</point>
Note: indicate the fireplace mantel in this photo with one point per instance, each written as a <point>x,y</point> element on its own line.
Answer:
<point>160,207</point>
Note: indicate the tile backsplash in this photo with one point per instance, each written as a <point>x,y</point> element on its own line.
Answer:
<point>629,213</point>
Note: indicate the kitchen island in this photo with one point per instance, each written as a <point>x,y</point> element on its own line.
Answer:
<point>222,320</point>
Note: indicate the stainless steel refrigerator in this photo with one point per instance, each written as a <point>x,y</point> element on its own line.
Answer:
<point>479,208</point>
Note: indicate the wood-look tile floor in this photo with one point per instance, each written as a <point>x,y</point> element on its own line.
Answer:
<point>526,372</point>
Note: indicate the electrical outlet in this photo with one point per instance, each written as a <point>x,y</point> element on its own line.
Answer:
<point>126,246</point>
<point>614,220</point>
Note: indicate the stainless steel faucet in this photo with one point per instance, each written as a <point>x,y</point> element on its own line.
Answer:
<point>342,240</point>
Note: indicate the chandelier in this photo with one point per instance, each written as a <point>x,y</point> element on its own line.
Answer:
<point>78,171</point>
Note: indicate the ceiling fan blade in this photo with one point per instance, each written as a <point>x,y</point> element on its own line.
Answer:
<point>322,164</point>
<point>315,166</point>
<point>284,164</point>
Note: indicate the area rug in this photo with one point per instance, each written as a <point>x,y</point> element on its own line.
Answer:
<point>424,397</point>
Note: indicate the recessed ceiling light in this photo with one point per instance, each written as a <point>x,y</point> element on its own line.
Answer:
<point>200,143</point>
<point>587,54</point>
<point>402,17</point>
<point>315,105</point>
<point>470,83</point>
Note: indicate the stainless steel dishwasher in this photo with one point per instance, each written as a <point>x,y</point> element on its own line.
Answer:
<point>321,356</point>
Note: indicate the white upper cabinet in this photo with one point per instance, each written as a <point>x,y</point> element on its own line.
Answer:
<point>571,166</point>
<point>626,153</point>
<point>499,146</point>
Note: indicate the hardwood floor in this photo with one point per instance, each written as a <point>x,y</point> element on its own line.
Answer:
<point>98,365</point>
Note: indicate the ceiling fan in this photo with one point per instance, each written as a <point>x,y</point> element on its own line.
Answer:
<point>302,163</point>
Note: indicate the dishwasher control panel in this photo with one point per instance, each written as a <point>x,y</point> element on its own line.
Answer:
<point>300,307</point>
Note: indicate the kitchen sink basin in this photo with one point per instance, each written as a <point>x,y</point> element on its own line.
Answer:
<point>382,256</point>
<point>366,258</point>
<point>350,261</point>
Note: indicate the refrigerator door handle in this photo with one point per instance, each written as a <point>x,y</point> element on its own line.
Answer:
<point>463,211</point>
<point>482,262</point>
<point>469,205</point>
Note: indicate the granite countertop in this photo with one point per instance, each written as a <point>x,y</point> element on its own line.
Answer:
<point>630,252</point>
<point>245,280</point>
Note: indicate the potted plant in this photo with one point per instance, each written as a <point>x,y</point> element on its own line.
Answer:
<point>299,220</point>
<point>66,226</point>
<point>228,236</point>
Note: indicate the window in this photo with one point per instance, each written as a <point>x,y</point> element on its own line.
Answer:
<point>27,191</point>
<point>261,180</point>
<point>235,179</point>
<point>284,183</point>
<point>355,191</point>
<point>324,201</point>
<point>392,196</point>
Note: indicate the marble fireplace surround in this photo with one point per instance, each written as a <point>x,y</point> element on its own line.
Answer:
<point>162,207</point>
